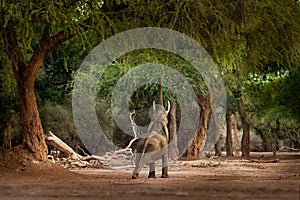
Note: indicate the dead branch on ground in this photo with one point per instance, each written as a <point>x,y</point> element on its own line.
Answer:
<point>74,160</point>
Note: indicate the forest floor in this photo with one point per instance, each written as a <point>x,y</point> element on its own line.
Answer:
<point>207,178</point>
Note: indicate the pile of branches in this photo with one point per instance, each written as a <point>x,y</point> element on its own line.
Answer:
<point>73,160</point>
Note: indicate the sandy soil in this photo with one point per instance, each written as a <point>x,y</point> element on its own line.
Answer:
<point>214,178</point>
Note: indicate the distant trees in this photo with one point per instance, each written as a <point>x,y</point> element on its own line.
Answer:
<point>266,39</point>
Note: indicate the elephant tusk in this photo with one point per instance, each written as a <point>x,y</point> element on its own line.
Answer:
<point>167,132</point>
<point>169,107</point>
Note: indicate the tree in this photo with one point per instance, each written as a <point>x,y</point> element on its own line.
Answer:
<point>8,104</point>
<point>274,100</point>
<point>32,29</point>
<point>229,148</point>
<point>144,96</point>
<point>173,145</point>
<point>264,30</point>
<point>29,31</point>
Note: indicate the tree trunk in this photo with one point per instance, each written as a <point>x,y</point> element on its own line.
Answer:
<point>218,147</point>
<point>245,125</point>
<point>25,73</point>
<point>197,144</point>
<point>235,135</point>
<point>229,149</point>
<point>173,146</point>
<point>33,135</point>
<point>7,135</point>
<point>275,138</point>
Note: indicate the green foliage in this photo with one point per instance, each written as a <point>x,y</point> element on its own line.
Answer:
<point>24,22</point>
<point>246,38</point>
<point>289,94</point>
<point>273,99</point>
<point>9,104</point>
<point>147,94</point>
<point>11,118</point>
<point>58,119</point>
<point>8,89</point>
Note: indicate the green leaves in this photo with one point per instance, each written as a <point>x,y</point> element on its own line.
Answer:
<point>149,92</point>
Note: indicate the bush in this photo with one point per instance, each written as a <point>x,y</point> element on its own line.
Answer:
<point>58,119</point>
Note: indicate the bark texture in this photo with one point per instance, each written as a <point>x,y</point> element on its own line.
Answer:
<point>197,144</point>
<point>218,147</point>
<point>245,125</point>
<point>33,135</point>
<point>275,132</point>
<point>25,73</point>
<point>229,149</point>
<point>173,146</point>
<point>235,135</point>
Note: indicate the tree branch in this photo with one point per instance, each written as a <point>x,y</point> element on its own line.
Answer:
<point>47,44</point>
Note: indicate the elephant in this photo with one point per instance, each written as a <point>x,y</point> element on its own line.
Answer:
<point>153,144</point>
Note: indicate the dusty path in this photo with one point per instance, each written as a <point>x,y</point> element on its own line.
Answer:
<point>203,179</point>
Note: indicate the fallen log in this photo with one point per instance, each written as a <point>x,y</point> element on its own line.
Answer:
<point>56,142</point>
<point>94,157</point>
<point>74,159</point>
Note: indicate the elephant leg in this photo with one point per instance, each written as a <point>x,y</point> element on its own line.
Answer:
<point>152,170</point>
<point>138,167</point>
<point>135,176</point>
<point>165,166</point>
<point>136,171</point>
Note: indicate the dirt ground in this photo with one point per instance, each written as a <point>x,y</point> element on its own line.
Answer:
<point>207,178</point>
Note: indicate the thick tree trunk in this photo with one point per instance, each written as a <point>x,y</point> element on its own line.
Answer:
<point>25,73</point>
<point>246,128</point>
<point>173,146</point>
<point>197,144</point>
<point>229,149</point>
<point>33,135</point>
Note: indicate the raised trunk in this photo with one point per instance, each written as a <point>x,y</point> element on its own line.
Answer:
<point>197,144</point>
<point>229,149</point>
<point>160,93</point>
<point>173,146</point>
<point>246,128</point>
